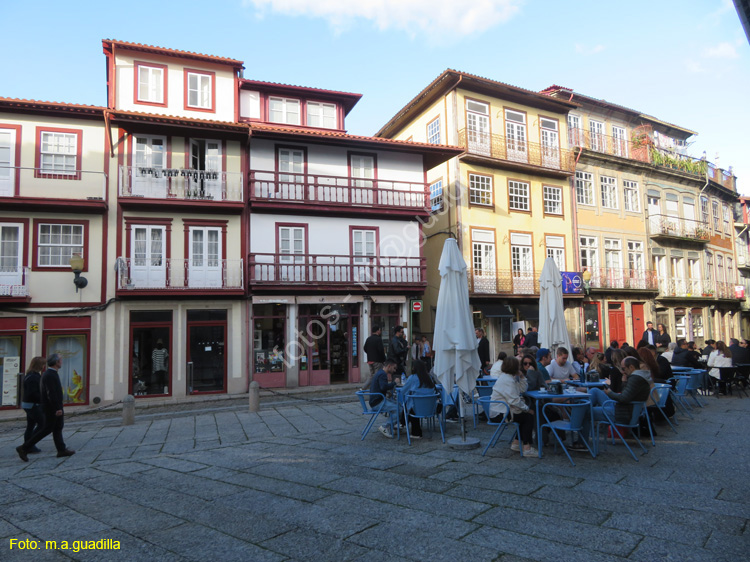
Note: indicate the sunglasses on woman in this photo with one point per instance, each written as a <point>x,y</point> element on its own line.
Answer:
<point>527,364</point>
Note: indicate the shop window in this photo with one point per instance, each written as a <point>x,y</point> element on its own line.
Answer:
<point>151,352</point>
<point>74,371</point>
<point>11,355</point>
<point>269,340</point>
<point>387,316</point>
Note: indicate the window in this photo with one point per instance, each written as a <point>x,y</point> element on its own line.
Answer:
<point>704,210</point>
<point>480,189</point>
<point>584,188</point>
<point>522,263</point>
<point>518,196</point>
<point>205,257</point>
<point>552,200</point>
<point>321,115</point>
<point>436,196</point>
<point>619,142</point>
<point>715,212</point>
<point>9,159</point>
<point>550,143</point>
<point>59,153</point>
<point>433,131</point>
<point>609,192</point>
<point>478,127</point>
<point>363,245</point>
<point>484,275</point>
<point>199,90</point>
<point>719,268</point>
<point>589,253</point>
<point>727,223</point>
<point>515,136</point>
<point>635,256</point>
<point>598,141</point>
<point>613,253</point>
<point>12,259</point>
<point>556,250</point>
<point>151,83</point>
<point>575,131</point>
<point>291,245</point>
<point>632,196</point>
<point>56,244</point>
<point>730,271</point>
<point>362,167</point>
<point>283,110</point>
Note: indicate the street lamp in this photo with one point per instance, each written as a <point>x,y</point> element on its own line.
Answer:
<point>76,264</point>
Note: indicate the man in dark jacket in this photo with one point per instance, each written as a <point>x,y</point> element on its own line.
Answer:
<point>683,357</point>
<point>649,335</point>
<point>375,354</point>
<point>739,352</point>
<point>532,338</point>
<point>483,349</point>
<point>636,389</point>
<point>52,404</point>
<point>382,385</point>
<point>710,346</point>
<point>398,349</point>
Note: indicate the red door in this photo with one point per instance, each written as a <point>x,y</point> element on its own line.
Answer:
<point>639,323</point>
<point>617,323</point>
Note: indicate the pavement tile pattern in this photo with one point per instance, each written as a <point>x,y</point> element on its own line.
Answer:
<point>294,482</point>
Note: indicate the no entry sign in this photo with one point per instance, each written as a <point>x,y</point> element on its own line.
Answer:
<point>416,306</point>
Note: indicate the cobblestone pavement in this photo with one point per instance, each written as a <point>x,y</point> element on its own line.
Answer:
<point>294,482</point>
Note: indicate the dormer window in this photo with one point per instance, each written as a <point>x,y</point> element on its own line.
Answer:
<point>199,90</point>
<point>321,115</point>
<point>151,83</point>
<point>284,110</point>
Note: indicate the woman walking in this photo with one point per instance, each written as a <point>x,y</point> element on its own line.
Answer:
<point>32,399</point>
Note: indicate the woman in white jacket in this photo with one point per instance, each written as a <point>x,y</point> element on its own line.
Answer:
<point>720,357</point>
<point>510,384</point>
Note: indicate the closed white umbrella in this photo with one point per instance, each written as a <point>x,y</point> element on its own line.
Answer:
<point>553,331</point>
<point>454,342</point>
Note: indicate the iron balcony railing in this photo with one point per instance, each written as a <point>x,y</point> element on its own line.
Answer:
<point>676,227</point>
<point>616,278</point>
<point>137,274</point>
<point>329,269</point>
<point>504,282</point>
<point>641,147</point>
<point>513,150</point>
<point>180,184</point>
<point>695,288</point>
<point>340,191</point>
<point>14,281</point>
<point>52,183</point>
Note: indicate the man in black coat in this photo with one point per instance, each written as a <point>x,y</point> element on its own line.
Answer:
<point>683,357</point>
<point>375,354</point>
<point>532,338</point>
<point>739,352</point>
<point>52,404</point>
<point>649,335</point>
<point>398,350</point>
<point>483,349</point>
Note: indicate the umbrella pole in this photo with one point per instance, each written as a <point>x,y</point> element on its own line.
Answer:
<point>463,442</point>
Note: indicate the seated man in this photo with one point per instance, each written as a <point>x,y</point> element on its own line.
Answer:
<point>561,369</point>
<point>683,357</point>
<point>381,384</point>
<point>636,389</point>
<point>543,359</point>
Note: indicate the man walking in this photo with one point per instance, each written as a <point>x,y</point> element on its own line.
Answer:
<point>483,349</point>
<point>649,336</point>
<point>52,404</point>
<point>375,354</point>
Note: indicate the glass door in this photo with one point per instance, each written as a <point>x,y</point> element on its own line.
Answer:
<point>205,258</point>
<point>7,162</point>
<point>148,265</point>
<point>206,353</point>
<point>11,272</point>
<point>291,179</point>
<point>149,161</point>
<point>550,144</point>
<point>205,157</point>
<point>515,133</point>
<point>478,128</point>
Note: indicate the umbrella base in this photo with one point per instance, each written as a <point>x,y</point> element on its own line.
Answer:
<point>459,443</point>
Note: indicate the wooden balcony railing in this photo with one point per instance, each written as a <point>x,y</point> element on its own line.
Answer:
<point>180,184</point>
<point>503,282</point>
<point>340,270</point>
<point>14,281</point>
<point>134,274</point>
<point>675,227</point>
<point>52,183</point>
<point>632,279</point>
<point>518,152</point>
<point>338,191</point>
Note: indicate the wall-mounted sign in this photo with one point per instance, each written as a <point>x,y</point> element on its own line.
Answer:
<point>416,306</point>
<point>572,282</point>
<point>34,327</point>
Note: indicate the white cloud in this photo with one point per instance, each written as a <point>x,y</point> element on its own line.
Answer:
<point>585,50</point>
<point>461,17</point>
<point>723,50</point>
<point>694,66</point>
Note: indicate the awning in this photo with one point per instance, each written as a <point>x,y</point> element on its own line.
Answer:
<point>494,310</point>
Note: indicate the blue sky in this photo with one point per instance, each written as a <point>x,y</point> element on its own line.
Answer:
<point>683,61</point>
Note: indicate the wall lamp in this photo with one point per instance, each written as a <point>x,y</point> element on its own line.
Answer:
<point>586,276</point>
<point>76,264</point>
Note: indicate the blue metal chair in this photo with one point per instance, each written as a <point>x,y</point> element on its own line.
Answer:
<point>696,382</point>
<point>483,391</point>
<point>423,406</point>
<point>502,425</point>
<point>679,394</point>
<point>659,395</point>
<point>608,408</point>
<point>576,413</point>
<point>372,411</point>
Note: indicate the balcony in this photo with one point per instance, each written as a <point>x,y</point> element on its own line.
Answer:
<point>14,284</point>
<point>26,189</point>
<point>696,288</point>
<point>277,190</point>
<point>625,279</point>
<point>138,276</point>
<point>326,270</point>
<point>743,262</point>
<point>675,228</point>
<point>641,148</point>
<point>503,282</point>
<point>140,185</point>
<point>521,155</point>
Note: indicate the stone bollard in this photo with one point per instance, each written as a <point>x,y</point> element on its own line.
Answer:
<point>128,410</point>
<point>254,398</point>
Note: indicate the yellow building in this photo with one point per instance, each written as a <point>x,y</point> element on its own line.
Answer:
<point>507,198</point>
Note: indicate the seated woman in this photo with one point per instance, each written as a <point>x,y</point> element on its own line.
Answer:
<point>510,384</point>
<point>534,378</point>
<point>720,357</point>
<point>418,383</point>
<point>599,365</point>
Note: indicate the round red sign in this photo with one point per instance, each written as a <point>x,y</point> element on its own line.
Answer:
<point>416,306</point>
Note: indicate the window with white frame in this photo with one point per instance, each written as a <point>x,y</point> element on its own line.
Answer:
<point>589,253</point>
<point>521,260</point>
<point>58,153</point>
<point>710,266</point>
<point>575,130</point>
<point>694,269</point>
<point>518,196</point>
<point>598,140</point>
<point>609,192</point>
<point>727,223</point>
<point>199,90</point>
<point>484,273</point>
<point>321,115</point>
<point>631,196</point>
<point>150,84</point>
<point>635,255</point>
<point>436,195</point>
<point>556,250</point>
<point>584,188</point>
<point>363,245</point>
<point>613,253</point>
<point>717,218</point>
<point>552,200</point>
<point>619,142</point>
<point>719,268</point>
<point>57,243</point>
<point>704,210</point>
<point>433,131</point>
<point>730,271</point>
<point>480,189</point>
<point>284,110</point>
